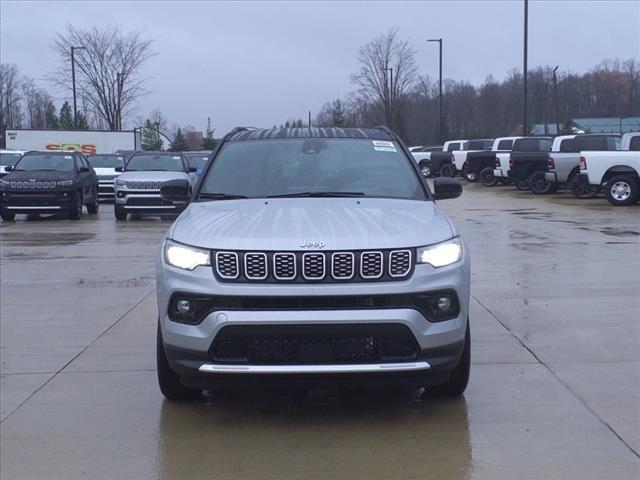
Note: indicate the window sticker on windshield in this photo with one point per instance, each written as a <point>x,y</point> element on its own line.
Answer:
<point>176,158</point>
<point>68,157</point>
<point>383,143</point>
<point>384,149</point>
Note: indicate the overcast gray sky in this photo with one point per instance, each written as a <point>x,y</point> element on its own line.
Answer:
<point>259,63</point>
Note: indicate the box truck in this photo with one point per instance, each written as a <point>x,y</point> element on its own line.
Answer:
<point>84,141</point>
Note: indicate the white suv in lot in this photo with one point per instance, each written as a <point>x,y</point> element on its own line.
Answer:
<point>314,256</point>
<point>137,190</point>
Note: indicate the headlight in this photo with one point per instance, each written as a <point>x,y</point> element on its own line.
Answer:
<point>184,256</point>
<point>441,254</point>
<point>121,183</point>
<point>65,183</point>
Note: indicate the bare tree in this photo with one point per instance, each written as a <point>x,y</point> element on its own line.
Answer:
<point>107,69</point>
<point>388,74</point>
<point>10,97</point>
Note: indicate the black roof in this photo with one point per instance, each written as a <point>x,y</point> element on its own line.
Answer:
<point>313,132</point>
<point>52,152</point>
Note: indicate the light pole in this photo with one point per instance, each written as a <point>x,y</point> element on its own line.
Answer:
<point>439,40</point>
<point>73,82</point>
<point>524,68</point>
<point>118,101</point>
<point>390,69</point>
<point>555,99</point>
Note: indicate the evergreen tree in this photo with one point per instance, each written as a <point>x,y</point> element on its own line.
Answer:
<point>66,117</point>
<point>179,143</point>
<point>337,114</point>
<point>150,138</point>
<point>50,118</point>
<point>81,122</point>
<point>208,142</point>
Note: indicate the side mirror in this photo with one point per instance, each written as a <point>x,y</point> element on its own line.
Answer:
<point>84,169</point>
<point>175,191</point>
<point>446,187</point>
<point>119,169</point>
<point>193,169</point>
<point>9,168</point>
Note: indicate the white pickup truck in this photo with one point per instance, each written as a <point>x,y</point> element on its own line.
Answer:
<point>8,158</point>
<point>504,146</point>
<point>460,156</point>
<point>438,162</point>
<point>618,172</point>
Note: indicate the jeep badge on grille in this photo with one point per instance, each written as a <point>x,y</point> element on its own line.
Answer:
<point>312,244</point>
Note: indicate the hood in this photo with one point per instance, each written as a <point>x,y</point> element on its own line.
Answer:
<point>38,175</point>
<point>153,176</point>
<point>106,171</point>
<point>283,224</point>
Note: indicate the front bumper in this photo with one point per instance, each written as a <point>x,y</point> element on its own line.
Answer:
<point>36,201</point>
<point>143,201</point>
<point>189,347</point>
<point>106,190</point>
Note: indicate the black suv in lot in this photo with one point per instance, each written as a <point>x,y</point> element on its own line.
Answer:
<point>49,182</point>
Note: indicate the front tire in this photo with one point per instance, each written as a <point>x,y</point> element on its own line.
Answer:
<point>459,377</point>
<point>92,207</point>
<point>120,213</point>
<point>425,169</point>
<point>622,190</point>
<point>487,178</point>
<point>76,210</point>
<point>468,174</point>
<point>447,170</point>
<point>168,380</point>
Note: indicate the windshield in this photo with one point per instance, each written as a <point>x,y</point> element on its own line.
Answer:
<point>46,162</point>
<point>9,158</point>
<point>197,159</point>
<point>290,167</point>
<point>106,161</point>
<point>163,163</point>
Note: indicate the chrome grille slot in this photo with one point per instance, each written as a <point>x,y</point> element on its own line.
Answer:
<point>371,265</point>
<point>284,266</point>
<point>313,267</point>
<point>255,265</point>
<point>399,263</point>
<point>342,265</point>
<point>227,265</point>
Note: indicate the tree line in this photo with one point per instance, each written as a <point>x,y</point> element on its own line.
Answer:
<point>389,90</point>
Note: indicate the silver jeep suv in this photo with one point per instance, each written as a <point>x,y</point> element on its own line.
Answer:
<point>312,255</point>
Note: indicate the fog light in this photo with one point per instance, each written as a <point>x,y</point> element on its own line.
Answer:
<point>183,306</point>
<point>444,304</point>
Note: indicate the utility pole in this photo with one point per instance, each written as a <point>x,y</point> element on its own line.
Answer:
<point>73,83</point>
<point>440,135</point>
<point>309,118</point>
<point>390,95</point>
<point>525,130</point>
<point>555,99</point>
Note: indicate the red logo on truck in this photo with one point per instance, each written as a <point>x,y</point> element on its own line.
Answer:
<point>86,148</point>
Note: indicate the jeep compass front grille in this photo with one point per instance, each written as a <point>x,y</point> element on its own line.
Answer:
<point>301,267</point>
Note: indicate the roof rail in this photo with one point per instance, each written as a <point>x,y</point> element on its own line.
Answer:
<point>386,129</point>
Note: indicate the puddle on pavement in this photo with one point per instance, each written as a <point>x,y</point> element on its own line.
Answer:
<point>44,239</point>
<point>619,232</point>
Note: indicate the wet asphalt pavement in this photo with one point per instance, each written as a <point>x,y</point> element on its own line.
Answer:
<point>555,380</point>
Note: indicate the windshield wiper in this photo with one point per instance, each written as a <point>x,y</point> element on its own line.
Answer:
<point>318,194</point>
<point>221,196</point>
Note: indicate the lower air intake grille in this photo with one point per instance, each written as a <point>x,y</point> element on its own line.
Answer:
<point>314,344</point>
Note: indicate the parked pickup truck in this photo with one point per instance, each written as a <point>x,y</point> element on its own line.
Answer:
<point>538,164</point>
<point>617,172</point>
<point>460,156</point>
<point>501,169</point>
<point>564,166</point>
<point>439,162</point>
<point>526,154</point>
<point>479,164</point>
